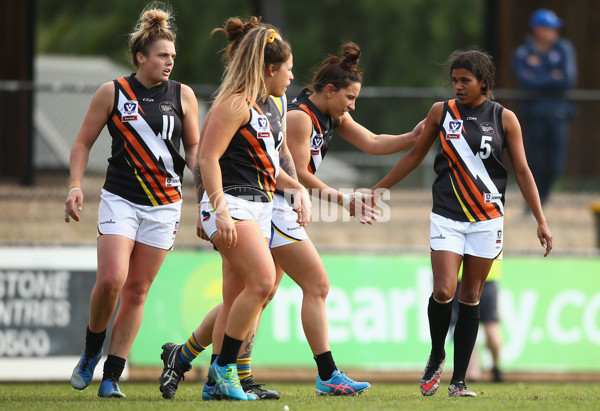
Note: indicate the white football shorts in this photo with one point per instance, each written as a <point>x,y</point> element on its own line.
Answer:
<point>155,226</point>
<point>239,209</point>
<point>284,226</point>
<point>483,239</point>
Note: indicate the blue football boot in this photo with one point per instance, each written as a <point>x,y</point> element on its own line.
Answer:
<point>110,389</point>
<point>340,384</point>
<point>84,370</point>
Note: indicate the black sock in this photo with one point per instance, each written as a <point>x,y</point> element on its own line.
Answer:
<point>229,351</point>
<point>94,341</point>
<point>113,368</point>
<point>439,321</point>
<point>465,334</point>
<point>325,365</point>
<point>213,357</point>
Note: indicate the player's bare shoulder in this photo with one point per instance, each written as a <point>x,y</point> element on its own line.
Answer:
<point>435,114</point>
<point>298,121</point>
<point>437,109</point>
<point>509,120</point>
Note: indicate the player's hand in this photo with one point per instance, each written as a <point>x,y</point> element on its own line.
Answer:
<point>360,206</point>
<point>545,236</point>
<point>226,235</point>
<point>303,206</point>
<point>73,204</point>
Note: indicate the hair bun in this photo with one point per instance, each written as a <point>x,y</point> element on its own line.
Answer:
<point>351,56</point>
<point>235,28</point>
<point>155,19</point>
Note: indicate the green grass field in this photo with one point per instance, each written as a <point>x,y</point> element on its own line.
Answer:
<point>301,396</point>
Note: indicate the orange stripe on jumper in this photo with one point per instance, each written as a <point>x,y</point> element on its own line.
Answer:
<point>260,153</point>
<point>489,208</point>
<point>123,82</point>
<point>149,168</point>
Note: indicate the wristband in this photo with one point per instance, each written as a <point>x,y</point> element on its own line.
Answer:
<point>73,189</point>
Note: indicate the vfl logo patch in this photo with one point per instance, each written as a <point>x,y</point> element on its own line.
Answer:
<point>130,110</point>
<point>205,216</point>
<point>487,128</point>
<point>166,107</point>
<point>454,129</point>
<point>316,142</point>
<point>499,237</point>
<point>263,123</point>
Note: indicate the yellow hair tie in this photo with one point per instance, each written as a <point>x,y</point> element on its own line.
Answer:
<point>272,36</point>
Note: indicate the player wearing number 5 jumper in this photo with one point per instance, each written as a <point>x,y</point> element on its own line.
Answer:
<point>148,117</point>
<point>471,179</point>
<point>468,205</point>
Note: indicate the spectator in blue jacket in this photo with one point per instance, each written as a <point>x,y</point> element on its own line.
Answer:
<point>546,68</point>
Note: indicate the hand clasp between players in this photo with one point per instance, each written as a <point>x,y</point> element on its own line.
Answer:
<point>360,205</point>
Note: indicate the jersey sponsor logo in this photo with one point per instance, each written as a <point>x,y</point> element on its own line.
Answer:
<point>172,182</point>
<point>438,237</point>
<point>316,142</point>
<point>315,152</point>
<point>130,110</point>
<point>491,197</point>
<point>109,221</point>
<point>454,129</point>
<point>263,134</point>
<point>166,107</point>
<point>487,128</point>
<point>263,122</point>
<point>471,118</point>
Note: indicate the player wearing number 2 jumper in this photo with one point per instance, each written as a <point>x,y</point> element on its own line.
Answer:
<point>468,205</point>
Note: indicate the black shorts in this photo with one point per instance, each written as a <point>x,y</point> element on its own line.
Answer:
<point>488,304</point>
